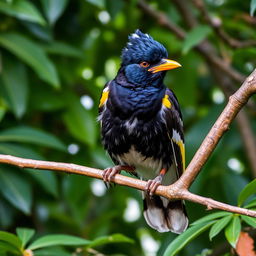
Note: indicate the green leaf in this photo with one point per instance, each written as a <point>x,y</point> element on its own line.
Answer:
<point>15,189</point>
<point>52,252</point>
<point>248,190</point>
<point>252,7</point>
<point>3,108</point>
<point>46,179</point>
<point>233,230</point>
<point>249,220</point>
<point>195,36</point>
<point>219,225</point>
<point>11,239</point>
<point>32,54</point>
<point>211,216</point>
<point>7,247</point>
<point>98,3</point>
<point>115,238</point>
<point>25,234</point>
<point>26,134</point>
<point>53,240</point>
<point>61,48</point>
<point>14,77</point>
<point>80,122</point>
<point>251,204</point>
<point>183,239</point>
<point>19,150</point>
<point>6,214</point>
<point>53,9</point>
<point>22,9</point>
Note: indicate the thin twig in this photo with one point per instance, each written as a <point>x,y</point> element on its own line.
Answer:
<point>225,82</point>
<point>242,119</point>
<point>223,73</point>
<point>247,138</point>
<point>178,190</point>
<point>216,25</point>
<point>170,192</point>
<point>236,102</point>
<point>204,48</point>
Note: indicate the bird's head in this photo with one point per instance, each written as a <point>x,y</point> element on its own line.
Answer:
<point>144,60</point>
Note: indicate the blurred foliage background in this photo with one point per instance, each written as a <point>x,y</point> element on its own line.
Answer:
<point>55,58</point>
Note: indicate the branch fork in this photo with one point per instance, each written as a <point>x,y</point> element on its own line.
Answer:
<point>178,190</point>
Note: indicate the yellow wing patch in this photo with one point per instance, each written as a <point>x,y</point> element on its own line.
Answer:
<point>182,151</point>
<point>166,102</point>
<point>177,140</point>
<point>104,97</point>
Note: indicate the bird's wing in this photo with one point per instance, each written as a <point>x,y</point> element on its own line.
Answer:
<point>174,124</point>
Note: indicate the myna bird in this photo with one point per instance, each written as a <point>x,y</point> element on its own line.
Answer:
<point>142,128</point>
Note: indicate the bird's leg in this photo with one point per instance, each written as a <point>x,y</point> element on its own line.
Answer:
<point>153,184</point>
<point>109,173</point>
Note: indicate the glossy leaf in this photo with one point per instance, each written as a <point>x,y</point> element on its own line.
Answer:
<point>252,7</point>
<point>19,150</point>
<point>52,252</point>
<point>251,204</point>
<point>46,179</point>
<point>14,75</point>
<point>6,247</point>
<point>183,239</point>
<point>22,9</point>
<point>6,213</point>
<point>60,48</point>
<point>195,36</point>
<point>249,220</point>
<point>210,217</point>
<point>53,240</point>
<point>3,110</point>
<point>11,239</point>
<point>25,235</point>
<point>15,189</point>
<point>32,54</point>
<point>248,190</point>
<point>27,134</point>
<point>115,238</point>
<point>53,9</point>
<point>233,230</point>
<point>219,225</point>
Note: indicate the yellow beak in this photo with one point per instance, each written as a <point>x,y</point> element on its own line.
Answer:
<point>165,64</point>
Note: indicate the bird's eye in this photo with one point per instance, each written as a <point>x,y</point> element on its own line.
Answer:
<point>144,64</point>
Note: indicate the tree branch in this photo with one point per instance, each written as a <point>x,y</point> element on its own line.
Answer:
<point>235,103</point>
<point>170,192</point>
<point>178,190</point>
<point>248,139</point>
<point>217,64</point>
<point>204,48</point>
<point>216,25</point>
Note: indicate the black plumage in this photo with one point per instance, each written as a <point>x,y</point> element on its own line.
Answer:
<point>142,129</point>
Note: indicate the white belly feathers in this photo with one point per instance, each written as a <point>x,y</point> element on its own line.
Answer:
<point>147,168</point>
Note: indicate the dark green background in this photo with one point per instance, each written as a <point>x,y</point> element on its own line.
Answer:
<point>52,53</point>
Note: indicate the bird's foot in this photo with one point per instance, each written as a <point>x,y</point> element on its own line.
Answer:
<point>152,185</point>
<point>109,173</point>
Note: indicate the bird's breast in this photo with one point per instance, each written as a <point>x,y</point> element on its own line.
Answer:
<point>128,103</point>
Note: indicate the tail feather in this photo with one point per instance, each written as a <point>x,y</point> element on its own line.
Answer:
<point>164,215</point>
